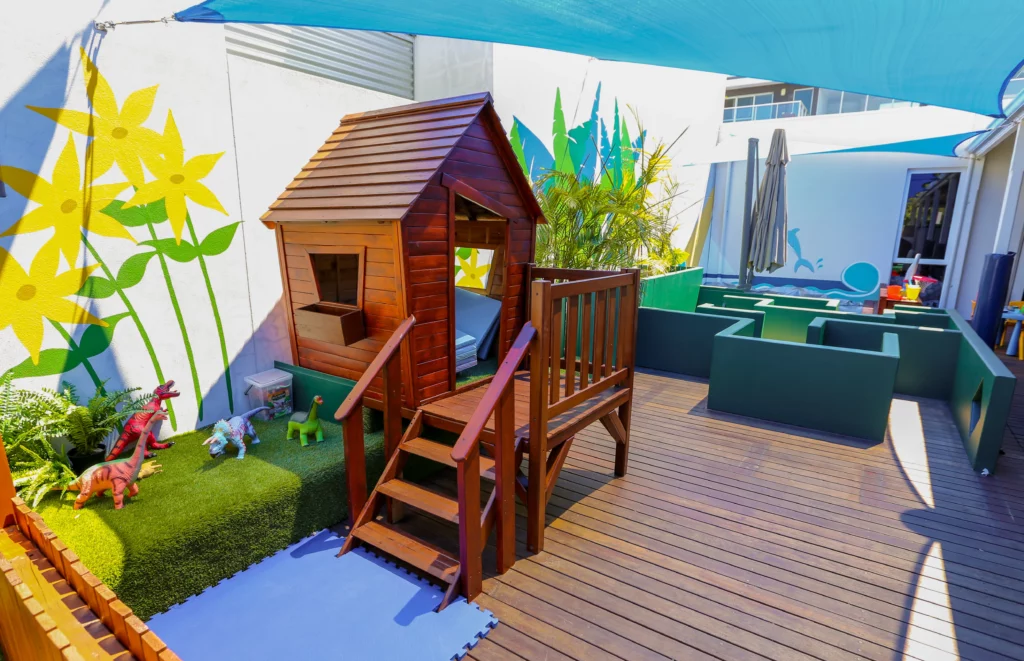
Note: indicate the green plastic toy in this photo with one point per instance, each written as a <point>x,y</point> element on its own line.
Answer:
<point>306,423</point>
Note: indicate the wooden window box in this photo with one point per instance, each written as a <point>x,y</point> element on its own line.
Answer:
<point>334,324</point>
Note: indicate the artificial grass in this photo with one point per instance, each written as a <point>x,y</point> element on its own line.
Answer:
<point>481,370</point>
<point>202,520</point>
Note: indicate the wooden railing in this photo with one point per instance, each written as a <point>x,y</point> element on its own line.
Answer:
<point>350,414</point>
<point>499,399</point>
<point>586,326</point>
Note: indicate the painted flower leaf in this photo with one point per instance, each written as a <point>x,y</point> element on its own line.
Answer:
<point>218,240</point>
<point>139,216</point>
<point>133,269</point>
<point>51,361</point>
<point>96,287</point>
<point>96,339</point>
<point>170,248</point>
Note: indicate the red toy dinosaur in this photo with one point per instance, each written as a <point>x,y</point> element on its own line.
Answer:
<point>117,476</point>
<point>133,429</point>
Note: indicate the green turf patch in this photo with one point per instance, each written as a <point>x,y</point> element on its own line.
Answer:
<point>202,520</point>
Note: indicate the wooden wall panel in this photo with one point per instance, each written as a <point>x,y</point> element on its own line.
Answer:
<point>382,309</point>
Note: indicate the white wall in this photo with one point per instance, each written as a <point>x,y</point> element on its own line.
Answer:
<point>452,67</point>
<point>276,119</point>
<point>983,228</point>
<point>848,208</point>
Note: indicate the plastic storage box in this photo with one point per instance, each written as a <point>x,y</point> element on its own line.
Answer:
<point>272,388</point>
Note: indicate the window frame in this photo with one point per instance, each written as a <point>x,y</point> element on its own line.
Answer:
<point>359,251</point>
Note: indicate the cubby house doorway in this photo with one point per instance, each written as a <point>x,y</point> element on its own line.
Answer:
<point>478,274</point>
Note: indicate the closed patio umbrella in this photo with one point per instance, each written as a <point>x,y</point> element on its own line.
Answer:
<point>769,218</point>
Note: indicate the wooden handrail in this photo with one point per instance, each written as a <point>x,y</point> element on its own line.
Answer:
<point>590,285</point>
<point>389,363</point>
<point>506,372</point>
<point>386,352</point>
<point>546,273</point>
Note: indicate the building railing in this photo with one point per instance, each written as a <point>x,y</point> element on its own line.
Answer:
<point>778,110</point>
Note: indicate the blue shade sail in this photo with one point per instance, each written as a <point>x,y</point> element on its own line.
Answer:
<point>943,145</point>
<point>952,53</point>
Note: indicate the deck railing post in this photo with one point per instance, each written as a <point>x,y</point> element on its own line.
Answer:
<point>628,318</point>
<point>470,542</point>
<point>392,406</point>
<point>505,476</point>
<point>540,316</point>
<point>355,461</point>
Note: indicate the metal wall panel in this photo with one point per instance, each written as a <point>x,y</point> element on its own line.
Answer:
<point>381,61</point>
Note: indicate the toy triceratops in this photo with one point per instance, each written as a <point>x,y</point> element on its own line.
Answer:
<point>233,431</point>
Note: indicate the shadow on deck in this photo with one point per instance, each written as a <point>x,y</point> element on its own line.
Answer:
<point>736,539</point>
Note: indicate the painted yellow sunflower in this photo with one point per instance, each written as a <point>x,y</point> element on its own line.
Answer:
<point>471,275</point>
<point>65,205</point>
<point>177,179</point>
<point>27,299</point>
<point>119,136</point>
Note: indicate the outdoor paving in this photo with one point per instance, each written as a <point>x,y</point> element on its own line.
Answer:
<point>736,539</point>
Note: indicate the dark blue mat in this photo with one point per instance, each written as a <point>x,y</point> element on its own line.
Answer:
<point>304,603</point>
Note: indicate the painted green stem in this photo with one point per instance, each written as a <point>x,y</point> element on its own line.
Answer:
<point>74,347</point>
<point>216,314</point>
<point>138,324</point>
<point>181,325</point>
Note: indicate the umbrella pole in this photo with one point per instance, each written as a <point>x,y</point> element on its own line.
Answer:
<point>748,202</point>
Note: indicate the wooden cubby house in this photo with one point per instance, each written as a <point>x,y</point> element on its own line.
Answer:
<point>367,234</point>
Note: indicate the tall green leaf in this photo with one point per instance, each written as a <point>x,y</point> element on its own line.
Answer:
<point>218,240</point>
<point>179,252</point>
<point>96,339</point>
<point>137,216</point>
<point>628,156</point>
<point>517,147</point>
<point>560,137</point>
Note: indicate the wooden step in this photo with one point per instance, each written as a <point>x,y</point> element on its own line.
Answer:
<point>429,501</point>
<point>409,549</point>
<point>442,454</point>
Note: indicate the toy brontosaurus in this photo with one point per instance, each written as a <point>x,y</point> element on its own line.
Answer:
<point>307,423</point>
<point>119,476</point>
<point>233,431</point>
<point>133,428</point>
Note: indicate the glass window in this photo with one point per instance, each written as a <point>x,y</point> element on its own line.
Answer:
<point>337,277</point>
<point>744,101</point>
<point>763,112</point>
<point>763,99</point>
<point>829,101</point>
<point>806,97</point>
<point>729,115</point>
<point>878,102</point>
<point>853,102</point>
<point>927,215</point>
<point>744,114</point>
<point>730,102</point>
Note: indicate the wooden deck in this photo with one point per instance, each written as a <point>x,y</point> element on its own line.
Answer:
<point>736,539</point>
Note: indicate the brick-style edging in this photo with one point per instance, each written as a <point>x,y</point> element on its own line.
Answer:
<point>132,632</point>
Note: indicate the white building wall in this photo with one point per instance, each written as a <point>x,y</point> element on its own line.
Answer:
<point>452,67</point>
<point>275,118</point>
<point>846,208</point>
<point>983,227</point>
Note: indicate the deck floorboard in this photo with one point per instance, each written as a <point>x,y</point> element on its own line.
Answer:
<point>733,538</point>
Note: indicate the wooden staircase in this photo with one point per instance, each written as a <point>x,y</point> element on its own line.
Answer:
<point>489,446</point>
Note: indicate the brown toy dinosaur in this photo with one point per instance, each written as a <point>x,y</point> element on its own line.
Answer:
<point>118,476</point>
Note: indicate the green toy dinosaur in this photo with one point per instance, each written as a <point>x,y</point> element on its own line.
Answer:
<point>307,423</point>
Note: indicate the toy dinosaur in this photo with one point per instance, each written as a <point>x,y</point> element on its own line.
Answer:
<point>133,428</point>
<point>233,431</point>
<point>305,424</point>
<point>119,476</point>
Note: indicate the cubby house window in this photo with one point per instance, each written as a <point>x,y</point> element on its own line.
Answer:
<point>473,268</point>
<point>337,277</point>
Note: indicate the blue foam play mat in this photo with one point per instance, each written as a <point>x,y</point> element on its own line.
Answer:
<point>304,603</point>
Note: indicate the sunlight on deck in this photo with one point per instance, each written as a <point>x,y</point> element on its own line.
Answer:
<point>907,436</point>
<point>936,628</point>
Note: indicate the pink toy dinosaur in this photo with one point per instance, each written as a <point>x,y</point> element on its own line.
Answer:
<point>135,424</point>
<point>118,476</point>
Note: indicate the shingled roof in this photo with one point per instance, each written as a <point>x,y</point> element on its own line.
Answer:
<point>376,164</point>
